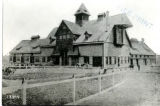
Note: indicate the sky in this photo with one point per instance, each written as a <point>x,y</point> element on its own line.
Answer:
<point>25,18</point>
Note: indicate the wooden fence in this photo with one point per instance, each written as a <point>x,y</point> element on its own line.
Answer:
<point>25,86</point>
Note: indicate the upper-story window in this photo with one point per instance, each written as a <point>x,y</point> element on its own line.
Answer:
<point>60,37</point>
<point>75,37</point>
<point>87,35</point>
<point>118,35</point>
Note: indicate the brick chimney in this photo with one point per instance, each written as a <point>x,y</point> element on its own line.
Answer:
<point>107,20</point>
<point>35,37</point>
<point>101,16</point>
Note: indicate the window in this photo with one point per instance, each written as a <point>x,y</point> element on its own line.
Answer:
<point>43,59</point>
<point>18,58</point>
<point>106,60</point>
<point>145,61</point>
<point>86,59</point>
<point>36,59</point>
<point>14,58</point>
<point>48,59</point>
<point>125,59</point>
<point>110,60</point>
<point>87,35</point>
<point>60,37</point>
<point>22,59</point>
<point>26,58</point>
<point>64,36</point>
<point>114,60</point>
<point>121,60</point>
<point>10,58</point>
<point>75,37</point>
<point>74,61</point>
<point>68,36</point>
<point>118,35</point>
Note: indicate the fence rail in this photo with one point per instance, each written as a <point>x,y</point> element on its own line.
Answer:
<point>73,80</point>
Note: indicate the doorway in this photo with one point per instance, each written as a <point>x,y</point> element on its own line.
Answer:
<point>97,61</point>
<point>64,58</point>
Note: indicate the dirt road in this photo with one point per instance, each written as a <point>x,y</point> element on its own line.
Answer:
<point>140,89</point>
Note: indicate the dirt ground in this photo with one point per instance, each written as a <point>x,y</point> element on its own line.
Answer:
<point>140,89</point>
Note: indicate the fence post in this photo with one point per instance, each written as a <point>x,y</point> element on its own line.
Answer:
<point>74,89</point>
<point>99,78</point>
<point>24,93</point>
<point>113,78</point>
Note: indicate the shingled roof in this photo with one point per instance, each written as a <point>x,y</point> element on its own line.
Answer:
<point>52,33</point>
<point>75,29</point>
<point>32,46</point>
<point>98,29</point>
<point>139,47</point>
<point>82,9</point>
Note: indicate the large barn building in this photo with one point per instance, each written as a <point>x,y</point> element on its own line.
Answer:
<point>103,42</point>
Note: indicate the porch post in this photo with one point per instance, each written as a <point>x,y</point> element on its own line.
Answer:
<point>103,56</point>
<point>70,61</point>
<point>60,60</point>
<point>91,60</point>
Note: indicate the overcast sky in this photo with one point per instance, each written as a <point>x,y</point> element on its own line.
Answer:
<point>24,18</point>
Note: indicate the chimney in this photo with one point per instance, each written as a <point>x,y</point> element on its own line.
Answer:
<point>101,16</point>
<point>35,37</point>
<point>107,20</point>
<point>142,40</point>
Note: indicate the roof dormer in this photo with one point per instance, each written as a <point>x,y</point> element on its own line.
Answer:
<point>87,35</point>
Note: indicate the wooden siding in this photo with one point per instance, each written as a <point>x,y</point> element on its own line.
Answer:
<point>90,50</point>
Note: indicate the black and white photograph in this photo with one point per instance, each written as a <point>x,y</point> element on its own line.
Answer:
<point>80,53</point>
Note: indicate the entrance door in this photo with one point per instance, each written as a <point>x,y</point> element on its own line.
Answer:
<point>64,58</point>
<point>22,59</point>
<point>97,61</point>
<point>56,60</point>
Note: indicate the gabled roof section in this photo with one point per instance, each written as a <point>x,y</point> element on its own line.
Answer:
<point>101,30</point>
<point>74,28</point>
<point>82,9</point>
<point>120,19</point>
<point>52,33</point>
<point>139,47</point>
<point>32,46</point>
